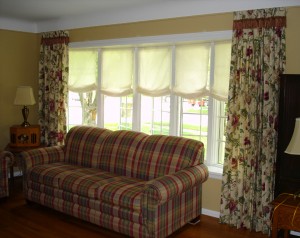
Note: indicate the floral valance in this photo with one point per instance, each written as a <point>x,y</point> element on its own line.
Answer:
<point>57,37</point>
<point>262,18</point>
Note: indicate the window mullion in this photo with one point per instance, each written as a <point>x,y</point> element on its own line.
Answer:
<point>173,99</point>
<point>120,111</point>
<point>136,107</point>
<point>161,116</point>
<point>211,130</point>
<point>100,96</point>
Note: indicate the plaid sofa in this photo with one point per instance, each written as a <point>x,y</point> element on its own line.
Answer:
<point>126,181</point>
<point>6,160</point>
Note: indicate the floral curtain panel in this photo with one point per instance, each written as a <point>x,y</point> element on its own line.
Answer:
<point>258,57</point>
<point>53,86</point>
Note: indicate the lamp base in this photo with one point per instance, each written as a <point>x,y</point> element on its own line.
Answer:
<point>25,113</point>
<point>25,124</point>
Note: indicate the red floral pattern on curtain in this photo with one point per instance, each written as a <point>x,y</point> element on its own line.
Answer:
<point>53,87</point>
<point>258,57</point>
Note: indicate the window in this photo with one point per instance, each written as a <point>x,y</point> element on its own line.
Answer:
<point>118,113</point>
<point>155,117</point>
<point>177,88</point>
<point>82,109</point>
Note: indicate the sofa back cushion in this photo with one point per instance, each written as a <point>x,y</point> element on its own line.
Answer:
<point>130,153</point>
<point>83,145</point>
<point>159,155</point>
<point>143,156</point>
<point>118,153</point>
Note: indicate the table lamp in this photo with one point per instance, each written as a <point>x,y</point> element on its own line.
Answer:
<point>294,145</point>
<point>24,97</point>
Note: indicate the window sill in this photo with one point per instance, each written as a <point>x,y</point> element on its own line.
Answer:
<point>215,172</point>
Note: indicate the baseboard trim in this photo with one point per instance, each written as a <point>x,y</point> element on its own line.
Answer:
<point>215,214</point>
<point>210,213</point>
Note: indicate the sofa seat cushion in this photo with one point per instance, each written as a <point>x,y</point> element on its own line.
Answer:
<point>44,194</point>
<point>49,174</point>
<point>92,183</point>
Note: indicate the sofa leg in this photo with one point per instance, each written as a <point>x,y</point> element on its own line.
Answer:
<point>195,221</point>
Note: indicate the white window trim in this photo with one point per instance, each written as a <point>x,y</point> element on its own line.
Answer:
<point>215,170</point>
<point>136,97</point>
<point>170,39</point>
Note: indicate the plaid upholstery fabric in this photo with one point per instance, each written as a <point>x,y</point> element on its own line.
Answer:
<point>83,145</point>
<point>164,219</point>
<point>147,157</point>
<point>160,155</point>
<point>35,157</point>
<point>118,154</point>
<point>166,187</point>
<point>130,182</point>
<point>130,153</point>
<point>37,192</point>
<point>6,160</point>
<point>112,220</point>
<point>91,183</point>
<point>50,174</point>
<point>39,156</point>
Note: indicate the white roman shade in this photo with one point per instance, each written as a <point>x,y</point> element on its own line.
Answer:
<point>83,70</point>
<point>219,89</point>
<point>117,71</point>
<point>155,71</point>
<point>192,70</point>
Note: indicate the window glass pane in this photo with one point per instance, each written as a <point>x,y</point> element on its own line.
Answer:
<point>89,108</point>
<point>194,119</point>
<point>74,110</point>
<point>155,115</point>
<point>82,109</point>
<point>118,113</point>
<point>222,121</point>
<point>126,113</point>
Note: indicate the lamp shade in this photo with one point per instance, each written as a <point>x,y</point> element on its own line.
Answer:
<point>24,96</point>
<point>294,145</point>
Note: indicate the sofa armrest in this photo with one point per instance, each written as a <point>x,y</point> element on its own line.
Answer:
<point>8,157</point>
<point>166,187</point>
<point>39,156</point>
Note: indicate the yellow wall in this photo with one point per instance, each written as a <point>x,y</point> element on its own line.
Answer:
<point>18,66</point>
<point>293,41</point>
<point>19,63</point>
<point>182,25</point>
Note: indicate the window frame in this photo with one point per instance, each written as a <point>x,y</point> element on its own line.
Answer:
<point>214,168</point>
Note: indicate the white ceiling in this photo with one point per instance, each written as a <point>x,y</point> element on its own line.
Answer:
<point>43,10</point>
<point>46,15</point>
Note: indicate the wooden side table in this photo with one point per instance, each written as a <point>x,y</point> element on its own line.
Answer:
<point>21,136</point>
<point>286,214</point>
